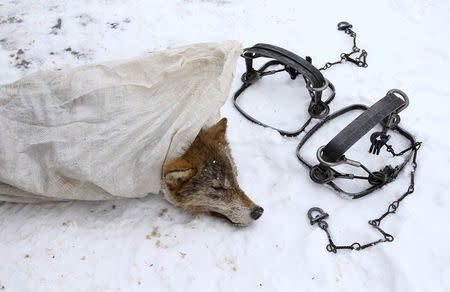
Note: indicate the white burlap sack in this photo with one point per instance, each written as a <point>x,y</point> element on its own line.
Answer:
<point>105,131</point>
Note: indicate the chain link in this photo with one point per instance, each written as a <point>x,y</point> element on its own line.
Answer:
<point>375,223</point>
<point>391,150</point>
<point>377,143</point>
<point>359,61</point>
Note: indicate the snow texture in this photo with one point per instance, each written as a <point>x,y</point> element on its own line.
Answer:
<point>147,244</point>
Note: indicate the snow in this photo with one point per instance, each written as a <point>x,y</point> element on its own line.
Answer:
<point>147,244</point>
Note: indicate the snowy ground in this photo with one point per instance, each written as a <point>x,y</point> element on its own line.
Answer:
<point>147,244</point>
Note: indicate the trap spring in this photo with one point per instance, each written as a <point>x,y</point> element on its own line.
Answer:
<point>385,113</point>
<point>294,65</point>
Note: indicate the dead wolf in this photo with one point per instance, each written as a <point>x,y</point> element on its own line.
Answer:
<point>203,179</point>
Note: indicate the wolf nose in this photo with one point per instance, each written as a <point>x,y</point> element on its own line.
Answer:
<point>256,212</point>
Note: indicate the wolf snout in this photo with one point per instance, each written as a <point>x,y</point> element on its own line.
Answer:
<point>256,212</point>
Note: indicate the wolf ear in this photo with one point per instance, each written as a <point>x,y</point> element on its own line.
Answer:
<point>177,171</point>
<point>218,130</point>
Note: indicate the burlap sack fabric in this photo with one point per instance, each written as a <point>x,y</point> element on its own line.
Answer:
<point>105,131</point>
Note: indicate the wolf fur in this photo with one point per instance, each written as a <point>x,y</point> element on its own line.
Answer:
<point>203,179</point>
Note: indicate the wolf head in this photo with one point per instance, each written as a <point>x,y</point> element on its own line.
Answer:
<point>203,179</point>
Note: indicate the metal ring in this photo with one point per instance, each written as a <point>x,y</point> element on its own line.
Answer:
<point>321,174</point>
<point>253,79</point>
<point>333,93</point>
<point>253,55</point>
<point>320,215</point>
<point>342,160</point>
<point>323,113</point>
<point>403,95</point>
<point>322,161</point>
<point>308,86</point>
<point>343,25</point>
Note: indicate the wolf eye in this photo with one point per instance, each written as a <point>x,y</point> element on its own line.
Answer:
<point>215,196</point>
<point>217,185</point>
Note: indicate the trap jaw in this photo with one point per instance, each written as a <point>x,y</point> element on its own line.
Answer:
<point>294,65</point>
<point>384,112</point>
